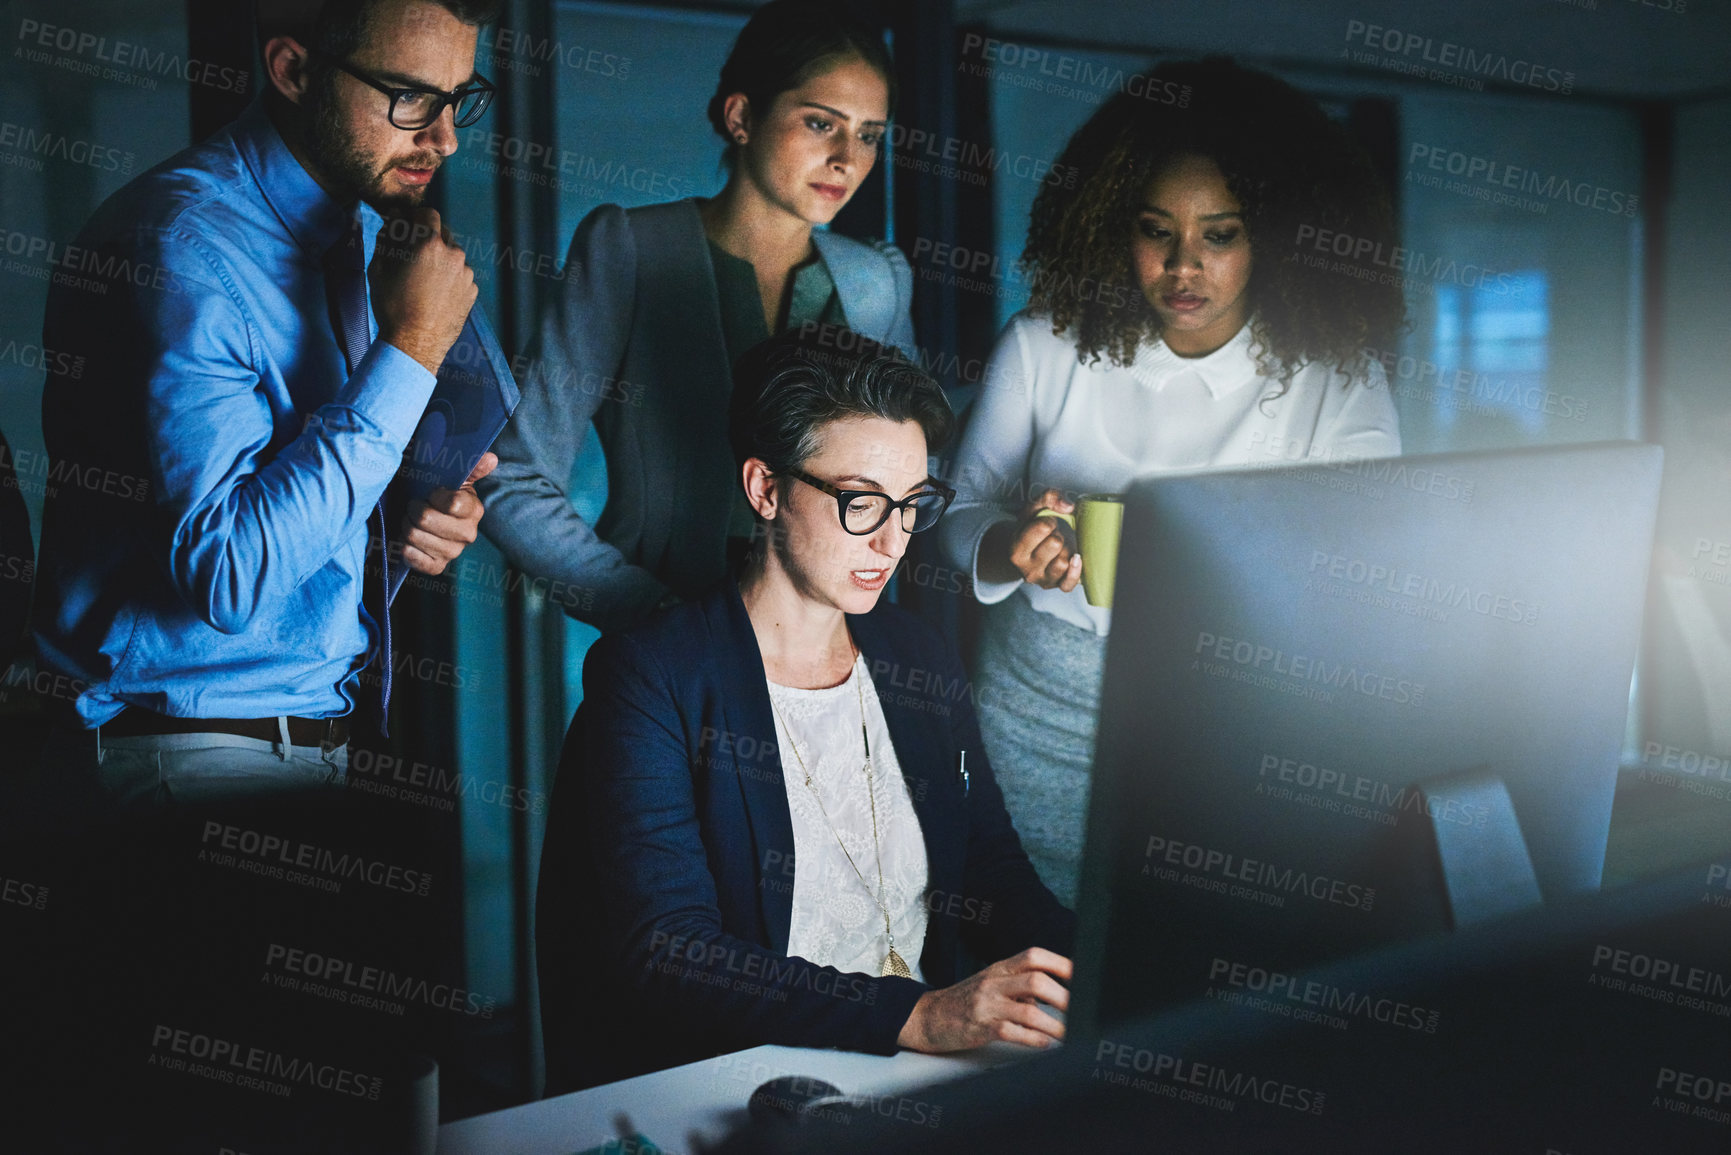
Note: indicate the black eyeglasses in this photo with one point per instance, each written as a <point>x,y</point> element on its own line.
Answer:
<point>863,510</point>
<point>416,107</point>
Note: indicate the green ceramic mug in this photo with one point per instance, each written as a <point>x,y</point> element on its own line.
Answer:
<point>1098,522</point>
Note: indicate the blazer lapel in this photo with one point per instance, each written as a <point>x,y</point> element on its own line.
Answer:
<point>744,695</point>
<point>679,314</point>
<point>922,753</point>
<point>855,269</point>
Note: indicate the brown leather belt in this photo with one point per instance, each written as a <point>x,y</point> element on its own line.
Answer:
<point>134,722</point>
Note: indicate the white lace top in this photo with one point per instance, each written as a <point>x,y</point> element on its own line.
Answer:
<point>836,921</point>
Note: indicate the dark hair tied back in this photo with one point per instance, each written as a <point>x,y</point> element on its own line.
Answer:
<point>783,45</point>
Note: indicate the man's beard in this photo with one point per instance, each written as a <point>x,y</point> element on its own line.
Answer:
<point>352,172</point>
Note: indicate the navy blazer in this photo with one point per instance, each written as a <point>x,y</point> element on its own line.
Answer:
<point>666,887</point>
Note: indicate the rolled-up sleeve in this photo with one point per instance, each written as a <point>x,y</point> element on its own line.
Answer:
<point>247,525</point>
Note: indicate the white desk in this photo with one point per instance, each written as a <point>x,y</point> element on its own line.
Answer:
<point>703,1100</point>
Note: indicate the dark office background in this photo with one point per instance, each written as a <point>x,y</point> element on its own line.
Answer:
<point>1603,323</point>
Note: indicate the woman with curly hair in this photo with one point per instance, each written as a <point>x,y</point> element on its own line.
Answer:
<point>1182,318</point>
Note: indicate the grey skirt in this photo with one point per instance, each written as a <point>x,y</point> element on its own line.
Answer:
<point>1038,685</point>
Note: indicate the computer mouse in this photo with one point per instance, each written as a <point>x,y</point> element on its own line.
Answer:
<point>783,1098</point>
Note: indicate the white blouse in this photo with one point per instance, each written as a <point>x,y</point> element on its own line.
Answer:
<point>1044,420</point>
<point>836,919</point>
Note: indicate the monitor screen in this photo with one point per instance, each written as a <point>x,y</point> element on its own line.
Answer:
<point>1344,702</point>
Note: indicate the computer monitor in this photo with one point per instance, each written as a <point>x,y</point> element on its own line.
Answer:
<point>1351,703</point>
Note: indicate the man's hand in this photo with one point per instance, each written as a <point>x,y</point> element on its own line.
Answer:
<point>422,286</point>
<point>435,531</point>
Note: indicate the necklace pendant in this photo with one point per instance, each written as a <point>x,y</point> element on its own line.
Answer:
<point>894,967</point>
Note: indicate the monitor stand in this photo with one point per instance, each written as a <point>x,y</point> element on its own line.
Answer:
<point>1485,866</point>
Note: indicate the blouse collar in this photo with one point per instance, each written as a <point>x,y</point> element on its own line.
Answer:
<point>1223,371</point>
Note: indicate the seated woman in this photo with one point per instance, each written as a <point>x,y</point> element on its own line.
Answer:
<point>775,821</point>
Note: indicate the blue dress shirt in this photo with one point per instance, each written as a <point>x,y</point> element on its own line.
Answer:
<point>213,468</point>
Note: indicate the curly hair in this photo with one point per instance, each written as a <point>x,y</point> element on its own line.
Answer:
<point>1294,172</point>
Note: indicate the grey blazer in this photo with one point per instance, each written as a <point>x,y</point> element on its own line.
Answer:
<point>634,343</point>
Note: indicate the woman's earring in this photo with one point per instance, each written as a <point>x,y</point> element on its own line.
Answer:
<point>739,138</point>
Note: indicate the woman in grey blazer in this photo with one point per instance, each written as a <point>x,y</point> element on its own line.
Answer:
<point>657,302</point>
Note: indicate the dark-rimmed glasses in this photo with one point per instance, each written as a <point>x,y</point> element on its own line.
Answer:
<point>862,511</point>
<point>415,107</point>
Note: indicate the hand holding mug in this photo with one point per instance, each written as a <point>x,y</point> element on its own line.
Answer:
<point>1043,549</point>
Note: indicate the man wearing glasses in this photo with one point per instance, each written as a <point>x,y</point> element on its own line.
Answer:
<point>257,360</point>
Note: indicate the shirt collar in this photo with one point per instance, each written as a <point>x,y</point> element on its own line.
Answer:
<point>1223,371</point>
<point>311,215</point>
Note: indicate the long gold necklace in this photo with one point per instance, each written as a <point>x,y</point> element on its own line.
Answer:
<point>893,963</point>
